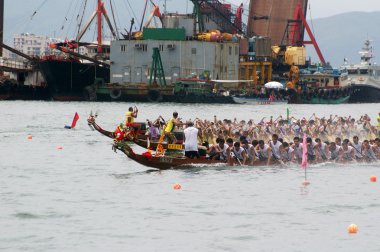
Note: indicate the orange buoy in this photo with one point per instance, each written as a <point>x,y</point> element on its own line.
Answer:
<point>306,183</point>
<point>373,178</point>
<point>30,137</point>
<point>177,186</point>
<point>60,148</point>
<point>352,229</point>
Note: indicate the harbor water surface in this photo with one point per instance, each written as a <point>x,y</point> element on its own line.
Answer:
<point>85,197</point>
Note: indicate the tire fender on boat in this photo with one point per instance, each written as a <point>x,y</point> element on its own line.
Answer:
<point>115,93</point>
<point>89,93</point>
<point>154,96</point>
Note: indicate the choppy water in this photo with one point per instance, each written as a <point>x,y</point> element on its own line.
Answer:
<point>87,198</point>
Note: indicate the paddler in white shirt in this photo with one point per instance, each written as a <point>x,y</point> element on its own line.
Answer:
<point>275,147</point>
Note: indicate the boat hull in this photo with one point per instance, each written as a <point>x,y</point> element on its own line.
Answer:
<point>256,101</point>
<point>23,92</point>
<point>67,79</point>
<point>365,93</point>
<point>144,94</point>
<point>316,100</point>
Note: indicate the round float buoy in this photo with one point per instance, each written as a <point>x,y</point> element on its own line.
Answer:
<point>59,148</point>
<point>30,137</point>
<point>373,178</point>
<point>352,229</point>
<point>177,186</point>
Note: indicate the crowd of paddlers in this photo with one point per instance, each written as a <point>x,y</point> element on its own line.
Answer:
<point>335,138</point>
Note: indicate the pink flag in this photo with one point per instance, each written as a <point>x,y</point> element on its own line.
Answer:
<point>304,152</point>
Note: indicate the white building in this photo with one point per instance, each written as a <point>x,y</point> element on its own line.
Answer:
<point>32,44</point>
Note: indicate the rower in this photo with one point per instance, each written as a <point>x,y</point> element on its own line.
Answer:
<point>276,147</point>
<point>249,150</point>
<point>238,154</point>
<point>322,149</point>
<point>297,146</point>
<point>357,148</point>
<point>217,151</point>
<point>131,115</point>
<point>368,152</point>
<point>287,154</point>
<point>334,151</point>
<point>263,151</point>
<point>346,152</point>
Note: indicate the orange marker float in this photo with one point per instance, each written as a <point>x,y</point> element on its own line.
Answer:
<point>352,229</point>
<point>30,137</point>
<point>373,178</point>
<point>306,183</point>
<point>177,186</point>
<point>60,148</point>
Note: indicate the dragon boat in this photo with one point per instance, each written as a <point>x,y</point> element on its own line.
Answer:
<point>166,156</point>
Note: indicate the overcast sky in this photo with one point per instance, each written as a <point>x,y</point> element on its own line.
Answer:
<point>53,15</point>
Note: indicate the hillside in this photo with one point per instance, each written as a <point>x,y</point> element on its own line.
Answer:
<point>343,36</point>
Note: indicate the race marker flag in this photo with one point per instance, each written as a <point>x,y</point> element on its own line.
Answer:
<point>74,123</point>
<point>304,152</point>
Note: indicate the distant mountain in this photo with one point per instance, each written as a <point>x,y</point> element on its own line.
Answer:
<point>342,36</point>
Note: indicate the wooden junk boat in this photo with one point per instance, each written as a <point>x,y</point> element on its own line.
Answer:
<point>166,156</point>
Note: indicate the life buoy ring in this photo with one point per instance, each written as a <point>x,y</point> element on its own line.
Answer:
<point>115,93</point>
<point>154,96</point>
<point>89,93</point>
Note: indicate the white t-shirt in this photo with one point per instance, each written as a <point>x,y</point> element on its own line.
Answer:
<point>191,139</point>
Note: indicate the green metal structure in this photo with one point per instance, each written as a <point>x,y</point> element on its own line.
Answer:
<point>157,70</point>
<point>199,17</point>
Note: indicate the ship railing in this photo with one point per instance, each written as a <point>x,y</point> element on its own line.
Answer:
<point>15,64</point>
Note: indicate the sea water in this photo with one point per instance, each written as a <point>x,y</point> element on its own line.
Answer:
<point>85,197</point>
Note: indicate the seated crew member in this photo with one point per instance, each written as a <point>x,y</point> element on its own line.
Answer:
<point>217,151</point>
<point>170,126</point>
<point>263,151</point>
<point>237,154</point>
<point>275,147</point>
<point>368,152</point>
<point>298,151</point>
<point>347,153</point>
<point>287,153</point>
<point>358,146</point>
<point>334,151</point>
<point>191,140</point>
<point>131,115</point>
<point>250,151</point>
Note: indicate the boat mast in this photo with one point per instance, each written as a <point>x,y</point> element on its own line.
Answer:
<point>99,12</point>
<point>1,25</point>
